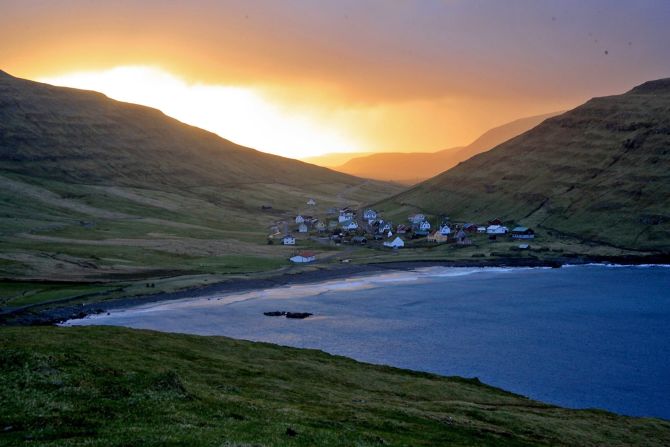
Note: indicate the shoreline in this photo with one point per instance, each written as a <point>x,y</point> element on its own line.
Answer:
<point>57,315</point>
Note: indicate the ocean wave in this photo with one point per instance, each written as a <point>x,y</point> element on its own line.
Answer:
<point>608,265</point>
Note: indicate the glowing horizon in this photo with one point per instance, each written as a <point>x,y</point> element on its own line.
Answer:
<point>304,78</point>
<point>241,114</point>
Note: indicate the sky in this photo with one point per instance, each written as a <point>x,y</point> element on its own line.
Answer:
<point>304,77</point>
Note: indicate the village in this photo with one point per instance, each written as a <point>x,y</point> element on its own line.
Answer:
<point>350,227</point>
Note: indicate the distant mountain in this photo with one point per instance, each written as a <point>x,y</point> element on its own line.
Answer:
<point>334,159</point>
<point>413,167</point>
<point>600,172</point>
<point>76,165</point>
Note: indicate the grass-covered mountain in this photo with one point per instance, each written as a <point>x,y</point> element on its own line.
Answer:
<point>600,172</point>
<point>93,189</point>
<point>106,386</point>
<point>413,167</point>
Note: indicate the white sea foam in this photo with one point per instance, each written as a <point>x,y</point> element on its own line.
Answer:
<point>599,264</point>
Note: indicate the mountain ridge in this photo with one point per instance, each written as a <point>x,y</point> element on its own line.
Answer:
<point>597,172</point>
<point>411,167</point>
<point>55,101</point>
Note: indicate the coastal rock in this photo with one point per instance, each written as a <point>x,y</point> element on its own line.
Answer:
<point>298,315</point>
<point>294,315</point>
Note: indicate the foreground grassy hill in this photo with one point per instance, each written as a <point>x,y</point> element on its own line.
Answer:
<point>598,173</point>
<point>112,386</point>
<point>409,168</point>
<point>94,190</point>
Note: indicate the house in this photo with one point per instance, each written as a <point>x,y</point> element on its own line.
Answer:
<point>496,229</point>
<point>395,243</point>
<point>302,228</point>
<point>523,233</point>
<point>462,238</point>
<point>349,225</point>
<point>495,222</point>
<point>345,215</point>
<point>417,218</point>
<point>320,227</point>
<point>311,202</point>
<point>481,229</point>
<point>288,240</point>
<point>437,237</point>
<point>385,227</point>
<point>402,229</point>
<point>424,226</point>
<point>369,215</point>
<point>303,257</point>
<point>445,230</point>
<point>359,240</point>
<point>299,219</point>
<point>470,228</point>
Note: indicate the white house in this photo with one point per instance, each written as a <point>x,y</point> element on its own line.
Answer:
<point>496,229</point>
<point>370,214</point>
<point>424,226</point>
<point>345,215</point>
<point>395,243</point>
<point>385,227</point>
<point>320,226</point>
<point>303,257</point>
<point>299,219</point>
<point>417,218</point>
<point>302,228</point>
<point>288,240</point>
<point>445,230</point>
<point>349,225</point>
<point>481,229</point>
<point>311,202</point>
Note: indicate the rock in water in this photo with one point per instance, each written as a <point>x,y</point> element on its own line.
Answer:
<point>298,315</point>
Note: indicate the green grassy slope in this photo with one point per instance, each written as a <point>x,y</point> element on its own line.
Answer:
<point>409,168</point>
<point>111,387</point>
<point>95,190</point>
<point>598,172</point>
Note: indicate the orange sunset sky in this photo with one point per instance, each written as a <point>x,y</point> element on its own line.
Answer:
<point>301,78</point>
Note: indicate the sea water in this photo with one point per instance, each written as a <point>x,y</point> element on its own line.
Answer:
<point>581,337</point>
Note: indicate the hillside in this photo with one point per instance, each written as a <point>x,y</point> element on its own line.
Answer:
<point>94,189</point>
<point>409,168</point>
<point>106,386</point>
<point>598,173</point>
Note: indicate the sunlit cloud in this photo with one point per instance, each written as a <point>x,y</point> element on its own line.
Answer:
<point>241,114</point>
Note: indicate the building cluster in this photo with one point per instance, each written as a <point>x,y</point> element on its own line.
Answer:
<point>350,226</point>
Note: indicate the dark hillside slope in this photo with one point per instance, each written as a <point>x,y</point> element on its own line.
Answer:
<point>600,172</point>
<point>80,136</point>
